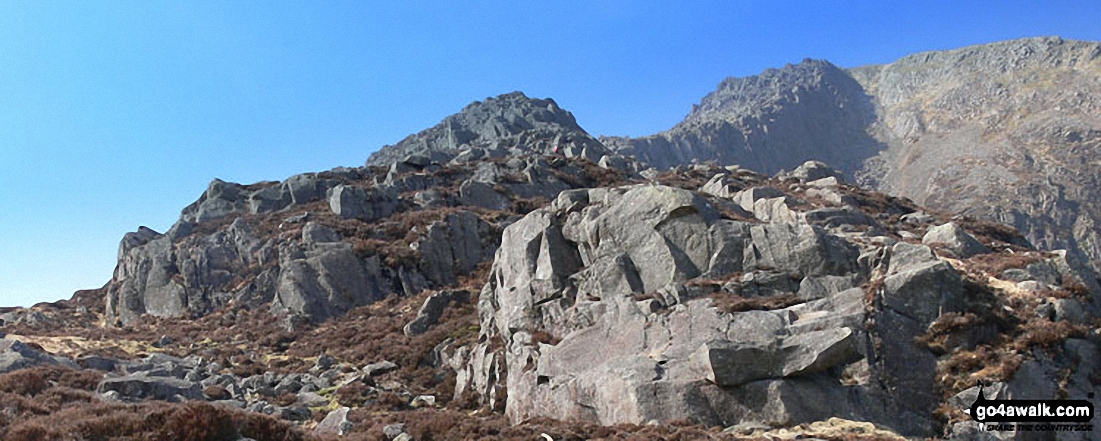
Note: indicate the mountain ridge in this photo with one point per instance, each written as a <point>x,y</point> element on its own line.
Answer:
<point>1004,131</point>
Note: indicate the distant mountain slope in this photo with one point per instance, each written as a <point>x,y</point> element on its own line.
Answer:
<point>1006,131</point>
<point>770,122</point>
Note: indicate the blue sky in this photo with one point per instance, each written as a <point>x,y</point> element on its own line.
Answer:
<point>118,114</point>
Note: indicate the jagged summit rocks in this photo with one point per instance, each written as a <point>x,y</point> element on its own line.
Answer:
<point>506,125</point>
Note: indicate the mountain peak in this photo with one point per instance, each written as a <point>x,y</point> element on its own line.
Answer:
<point>757,93</point>
<point>507,124</point>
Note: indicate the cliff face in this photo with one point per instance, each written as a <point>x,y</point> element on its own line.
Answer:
<point>1006,131</point>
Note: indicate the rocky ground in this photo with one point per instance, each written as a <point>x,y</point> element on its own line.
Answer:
<point>500,276</point>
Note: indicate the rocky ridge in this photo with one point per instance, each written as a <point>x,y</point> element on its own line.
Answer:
<point>319,244</point>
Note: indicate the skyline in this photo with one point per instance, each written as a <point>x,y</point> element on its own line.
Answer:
<point>118,115</point>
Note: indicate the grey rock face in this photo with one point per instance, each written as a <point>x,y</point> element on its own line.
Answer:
<point>919,286</point>
<point>720,186</point>
<point>454,245</point>
<point>734,363</point>
<point>143,281</point>
<point>322,279</point>
<point>305,188</point>
<point>171,278</point>
<point>748,198</point>
<point>220,199</point>
<point>812,171</point>
<point>269,199</point>
<point>769,122</point>
<point>335,423</point>
<point>798,249</point>
<point>478,194</point>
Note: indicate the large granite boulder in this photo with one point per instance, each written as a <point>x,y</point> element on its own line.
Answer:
<point>220,199</point>
<point>920,286</point>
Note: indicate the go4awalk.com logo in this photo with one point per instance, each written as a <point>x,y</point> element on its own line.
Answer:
<point>1032,415</point>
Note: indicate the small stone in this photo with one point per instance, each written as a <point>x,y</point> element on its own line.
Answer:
<point>917,218</point>
<point>216,393</point>
<point>164,341</point>
<point>294,413</point>
<point>335,423</point>
<point>382,367</point>
<point>393,430</point>
<point>312,399</point>
<point>324,363</point>
<point>423,401</point>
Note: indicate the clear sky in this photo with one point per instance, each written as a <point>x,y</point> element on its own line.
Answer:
<point>118,114</point>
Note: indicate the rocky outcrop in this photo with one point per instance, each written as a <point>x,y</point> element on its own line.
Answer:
<point>953,238</point>
<point>246,245</point>
<point>141,386</point>
<point>155,276</point>
<point>616,275</point>
<point>647,302</point>
<point>319,244</point>
<point>455,245</point>
<point>350,202</point>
